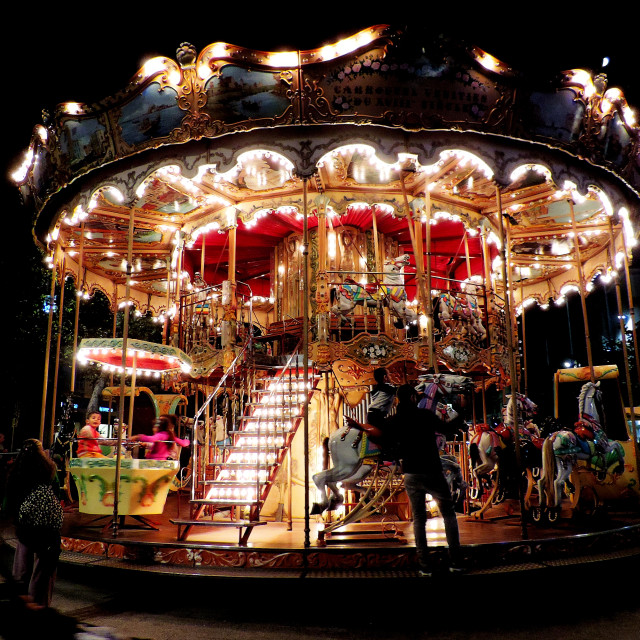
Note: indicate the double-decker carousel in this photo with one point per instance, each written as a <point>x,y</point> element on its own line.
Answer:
<point>296,220</point>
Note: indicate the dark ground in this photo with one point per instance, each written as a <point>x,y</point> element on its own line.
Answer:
<point>585,602</point>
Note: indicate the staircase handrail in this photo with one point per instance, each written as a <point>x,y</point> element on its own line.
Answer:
<point>205,404</point>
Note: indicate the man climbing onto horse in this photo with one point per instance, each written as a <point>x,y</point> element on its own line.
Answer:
<point>410,435</point>
<point>416,430</point>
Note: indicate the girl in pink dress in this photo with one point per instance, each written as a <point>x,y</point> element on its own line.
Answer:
<point>164,439</point>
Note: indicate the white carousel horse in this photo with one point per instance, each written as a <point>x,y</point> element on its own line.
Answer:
<point>563,449</point>
<point>349,448</point>
<point>462,311</point>
<point>390,291</point>
<point>345,446</point>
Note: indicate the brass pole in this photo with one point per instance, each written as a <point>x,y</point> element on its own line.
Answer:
<point>305,360</point>
<point>132,400</point>
<point>623,335</point>
<point>632,311</point>
<point>79,283</point>
<point>427,233</point>
<point>524,338</point>
<point>231,270</point>
<point>114,333</point>
<point>423,298</point>
<point>582,291</point>
<point>123,375</point>
<point>166,328</point>
<point>512,357</point>
<point>466,253</point>
<point>484,402</point>
<point>47,353</point>
<point>376,248</point>
<point>202,254</point>
<point>58,343</point>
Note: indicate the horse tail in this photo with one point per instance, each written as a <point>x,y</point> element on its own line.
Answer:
<point>548,470</point>
<point>325,453</point>
<point>474,454</point>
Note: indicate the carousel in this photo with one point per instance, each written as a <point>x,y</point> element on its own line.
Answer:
<point>297,220</point>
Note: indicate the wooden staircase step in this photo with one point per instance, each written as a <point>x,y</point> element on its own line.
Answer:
<point>245,527</point>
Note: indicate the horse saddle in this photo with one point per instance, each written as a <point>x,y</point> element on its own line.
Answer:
<point>368,449</point>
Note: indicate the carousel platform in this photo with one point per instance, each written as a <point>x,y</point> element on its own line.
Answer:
<point>377,548</point>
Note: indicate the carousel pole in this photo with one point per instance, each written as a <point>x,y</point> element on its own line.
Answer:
<point>582,291</point>
<point>47,354</point>
<point>376,247</point>
<point>305,359</point>
<point>632,311</point>
<point>524,338</point>
<point>202,255</point>
<point>427,234</point>
<point>488,285</point>
<point>625,354</point>
<point>167,322</point>
<point>132,389</point>
<point>115,335</point>
<point>58,343</point>
<point>378,265</point>
<point>424,299</point>
<point>76,321</point>
<point>512,356</point>
<point>123,375</point>
<point>484,402</point>
<point>466,253</point>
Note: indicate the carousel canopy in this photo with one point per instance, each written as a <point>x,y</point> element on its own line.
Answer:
<point>145,357</point>
<point>376,125</point>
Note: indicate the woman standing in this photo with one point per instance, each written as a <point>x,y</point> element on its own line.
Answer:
<point>34,505</point>
<point>164,439</point>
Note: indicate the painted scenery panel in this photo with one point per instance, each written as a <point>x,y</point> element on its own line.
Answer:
<point>554,115</point>
<point>42,168</point>
<point>152,114</point>
<point>374,85</point>
<point>617,141</point>
<point>239,94</point>
<point>82,142</point>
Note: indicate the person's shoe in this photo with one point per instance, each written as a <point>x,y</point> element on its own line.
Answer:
<point>425,573</point>
<point>457,569</point>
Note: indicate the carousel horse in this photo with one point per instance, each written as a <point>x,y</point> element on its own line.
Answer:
<point>494,447</point>
<point>352,452</point>
<point>390,291</point>
<point>587,441</point>
<point>461,310</point>
<point>60,449</point>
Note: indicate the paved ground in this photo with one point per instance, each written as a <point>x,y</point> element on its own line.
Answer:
<point>587,602</point>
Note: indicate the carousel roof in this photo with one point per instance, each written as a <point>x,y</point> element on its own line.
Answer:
<point>378,124</point>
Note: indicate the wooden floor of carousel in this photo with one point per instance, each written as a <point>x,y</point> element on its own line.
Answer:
<point>378,547</point>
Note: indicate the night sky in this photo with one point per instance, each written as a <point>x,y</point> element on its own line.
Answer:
<point>53,55</point>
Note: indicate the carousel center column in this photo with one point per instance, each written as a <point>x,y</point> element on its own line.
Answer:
<point>322,354</point>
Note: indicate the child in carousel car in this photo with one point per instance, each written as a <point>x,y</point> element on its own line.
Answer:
<point>164,439</point>
<point>89,440</point>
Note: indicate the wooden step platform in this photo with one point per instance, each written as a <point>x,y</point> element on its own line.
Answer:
<point>245,527</point>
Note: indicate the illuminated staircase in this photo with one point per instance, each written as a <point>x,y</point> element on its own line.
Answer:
<point>242,473</point>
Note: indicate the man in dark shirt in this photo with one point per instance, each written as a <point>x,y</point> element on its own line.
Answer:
<point>415,431</point>
<point>410,436</point>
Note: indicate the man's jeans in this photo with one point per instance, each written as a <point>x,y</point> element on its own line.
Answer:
<point>417,485</point>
